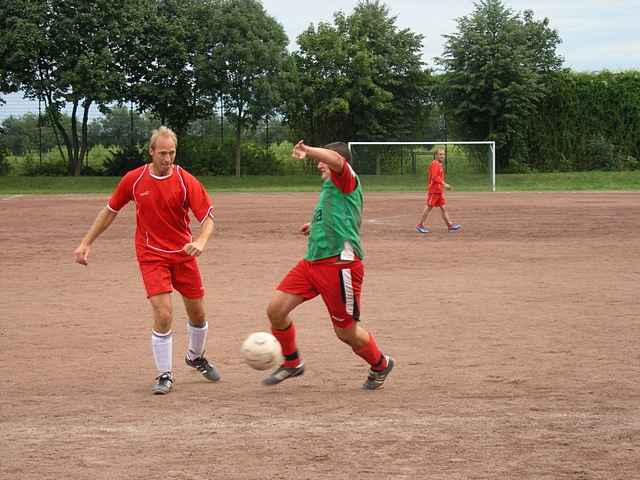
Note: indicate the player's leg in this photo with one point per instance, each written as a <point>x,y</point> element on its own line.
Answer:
<point>284,330</point>
<point>197,329</point>
<point>365,346</point>
<point>445,215</point>
<point>293,290</point>
<point>156,276</point>
<point>452,227</point>
<point>162,341</point>
<point>187,280</point>
<point>341,291</point>
<point>420,228</point>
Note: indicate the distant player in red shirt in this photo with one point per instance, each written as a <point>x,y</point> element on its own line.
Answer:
<point>435,194</point>
<point>163,194</point>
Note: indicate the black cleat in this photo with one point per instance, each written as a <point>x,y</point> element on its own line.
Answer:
<point>164,384</point>
<point>282,373</point>
<point>208,370</point>
<point>375,379</point>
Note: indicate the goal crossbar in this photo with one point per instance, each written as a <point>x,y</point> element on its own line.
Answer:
<point>492,146</point>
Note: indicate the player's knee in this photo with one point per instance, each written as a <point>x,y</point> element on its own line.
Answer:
<point>162,317</point>
<point>162,324</point>
<point>276,315</point>
<point>345,335</point>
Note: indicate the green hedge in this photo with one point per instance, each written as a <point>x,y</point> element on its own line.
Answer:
<point>587,121</point>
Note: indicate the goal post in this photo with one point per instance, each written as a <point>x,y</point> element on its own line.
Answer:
<point>401,157</point>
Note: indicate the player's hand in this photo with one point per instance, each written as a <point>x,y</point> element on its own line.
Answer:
<point>81,254</point>
<point>447,186</point>
<point>299,150</point>
<point>194,249</point>
<point>305,229</point>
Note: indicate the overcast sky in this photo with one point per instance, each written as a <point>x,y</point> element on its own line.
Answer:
<point>596,34</point>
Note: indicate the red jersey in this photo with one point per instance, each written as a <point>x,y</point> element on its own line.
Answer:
<point>162,209</point>
<point>436,177</point>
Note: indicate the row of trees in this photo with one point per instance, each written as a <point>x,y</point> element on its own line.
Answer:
<point>357,78</point>
<point>175,59</point>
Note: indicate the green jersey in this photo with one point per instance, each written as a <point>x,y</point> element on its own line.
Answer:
<point>335,226</point>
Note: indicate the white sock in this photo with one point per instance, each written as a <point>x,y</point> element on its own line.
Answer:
<point>197,339</point>
<point>162,343</point>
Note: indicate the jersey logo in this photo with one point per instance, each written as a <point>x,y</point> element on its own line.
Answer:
<point>144,193</point>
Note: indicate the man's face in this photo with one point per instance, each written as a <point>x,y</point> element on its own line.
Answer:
<point>440,156</point>
<point>163,154</point>
<point>325,171</point>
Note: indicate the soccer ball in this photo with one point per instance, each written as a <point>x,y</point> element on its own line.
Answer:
<point>261,351</point>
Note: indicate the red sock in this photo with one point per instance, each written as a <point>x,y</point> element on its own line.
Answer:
<point>372,355</point>
<point>287,339</point>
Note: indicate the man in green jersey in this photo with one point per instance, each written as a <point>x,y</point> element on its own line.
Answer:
<point>331,268</point>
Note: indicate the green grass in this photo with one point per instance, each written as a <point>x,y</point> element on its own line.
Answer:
<point>372,183</point>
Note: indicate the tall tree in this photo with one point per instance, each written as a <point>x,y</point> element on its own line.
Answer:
<point>66,53</point>
<point>496,67</point>
<point>361,78</point>
<point>160,72</point>
<point>243,62</point>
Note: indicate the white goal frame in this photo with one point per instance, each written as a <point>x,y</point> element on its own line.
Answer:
<point>492,146</point>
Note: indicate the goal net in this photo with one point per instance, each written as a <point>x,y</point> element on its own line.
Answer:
<point>468,165</point>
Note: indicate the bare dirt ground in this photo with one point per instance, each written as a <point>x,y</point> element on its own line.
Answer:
<point>517,346</point>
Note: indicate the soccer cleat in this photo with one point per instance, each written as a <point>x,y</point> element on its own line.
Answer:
<point>375,379</point>
<point>454,227</point>
<point>422,229</point>
<point>208,370</point>
<point>282,373</point>
<point>163,384</point>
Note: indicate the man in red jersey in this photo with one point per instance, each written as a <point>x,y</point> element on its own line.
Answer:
<point>163,193</point>
<point>331,268</point>
<point>435,194</point>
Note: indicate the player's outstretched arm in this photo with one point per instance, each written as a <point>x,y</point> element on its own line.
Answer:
<point>100,224</point>
<point>196,247</point>
<point>332,159</point>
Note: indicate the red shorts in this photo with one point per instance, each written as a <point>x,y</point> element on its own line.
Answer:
<point>338,284</point>
<point>435,200</point>
<point>161,276</point>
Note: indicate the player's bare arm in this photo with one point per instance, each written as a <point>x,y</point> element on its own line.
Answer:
<point>100,224</point>
<point>332,159</point>
<point>196,247</point>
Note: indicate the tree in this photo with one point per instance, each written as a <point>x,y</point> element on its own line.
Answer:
<point>67,52</point>
<point>243,62</point>
<point>24,134</point>
<point>160,72</point>
<point>361,78</point>
<point>122,127</point>
<point>496,68</point>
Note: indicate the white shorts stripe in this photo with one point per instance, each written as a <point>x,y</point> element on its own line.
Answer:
<point>348,289</point>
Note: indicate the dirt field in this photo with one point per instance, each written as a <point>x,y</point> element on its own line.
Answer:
<point>516,340</point>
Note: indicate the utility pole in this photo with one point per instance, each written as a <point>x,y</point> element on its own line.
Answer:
<point>40,128</point>
<point>221,122</point>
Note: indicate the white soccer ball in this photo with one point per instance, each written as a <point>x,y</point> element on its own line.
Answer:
<point>261,351</point>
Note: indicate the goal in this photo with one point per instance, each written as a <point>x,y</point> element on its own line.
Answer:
<point>471,165</point>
